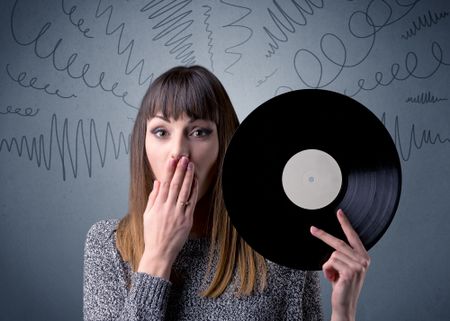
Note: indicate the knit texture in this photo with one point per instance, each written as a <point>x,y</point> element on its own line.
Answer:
<point>290,294</point>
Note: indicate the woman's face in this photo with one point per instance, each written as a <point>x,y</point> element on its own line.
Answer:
<point>196,139</point>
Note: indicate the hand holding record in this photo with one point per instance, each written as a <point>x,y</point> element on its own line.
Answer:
<point>334,154</point>
<point>345,269</point>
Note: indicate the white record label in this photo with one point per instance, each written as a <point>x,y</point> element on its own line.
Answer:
<point>312,179</point>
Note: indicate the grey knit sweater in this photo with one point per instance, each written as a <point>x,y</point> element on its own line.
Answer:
<point>290,294</point>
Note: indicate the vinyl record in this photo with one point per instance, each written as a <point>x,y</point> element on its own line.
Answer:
<point>298,158</point>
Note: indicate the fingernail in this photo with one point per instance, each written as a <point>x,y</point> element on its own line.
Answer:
<point>314,229</point>
<point>340,212</point>
<point>190,165</point>
<point>184,161</point>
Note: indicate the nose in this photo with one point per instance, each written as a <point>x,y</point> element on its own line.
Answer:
<point>180,147</point>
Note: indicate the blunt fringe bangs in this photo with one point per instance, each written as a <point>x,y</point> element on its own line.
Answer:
<point>193,91</point>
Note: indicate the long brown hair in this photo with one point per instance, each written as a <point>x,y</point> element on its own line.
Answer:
<point>196,92</point>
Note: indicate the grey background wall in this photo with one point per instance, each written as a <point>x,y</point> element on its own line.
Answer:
<point>72,74</point>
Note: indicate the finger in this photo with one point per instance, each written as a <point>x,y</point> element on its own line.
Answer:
<point>177,180</point>
<point>355,263</point>
<point>192,200</point>
<point>165,185</point>
<point>341,246</point>
<point>153,194</point>
<point>185,190</point>
<point>352,237</point>
<point>334,268</point>
<point>331,240</point>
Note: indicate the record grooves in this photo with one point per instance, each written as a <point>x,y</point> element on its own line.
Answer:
<point>298,158</point>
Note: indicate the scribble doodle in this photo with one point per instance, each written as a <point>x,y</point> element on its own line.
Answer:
<point>173,26</point>
<point>77,24</point>
<point>281,90</point>
<point>210,35</point>
<point>27,112</point>
<point>289,22</point>
<point>20,79</point>
<point>424,21</point>
<point>37,44</point>
<point>425,98</point>
<point>411,64</point>
<point>234,24</point>
<point>122,48</point>
<point>261,81</point>
<point>416,138</point>
<point>362,26</point>
<point>41,149</point>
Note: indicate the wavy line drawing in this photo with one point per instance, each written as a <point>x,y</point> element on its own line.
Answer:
<point>24,112</point>
<point>425,21</point>
<point>210,34</point>
<point>32,84</point>
<point>233,24</point>
<point>289,24</point>
<point>416,138</point>
<point>345,57</point>
<point>128,48</point>
<point>174,25</point>
<point>261,81</point>
<point>410,66</point>
<point>54,57</point>
<point>425,98</point>
<point>41,149</point>
<point>78,24</point>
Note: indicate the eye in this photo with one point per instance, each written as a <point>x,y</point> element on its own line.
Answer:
<point>159,132</point>
<point>201,132</point>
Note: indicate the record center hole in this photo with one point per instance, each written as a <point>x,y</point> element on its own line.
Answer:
<point>311,179</point>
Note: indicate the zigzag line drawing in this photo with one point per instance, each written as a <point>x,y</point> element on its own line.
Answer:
<point>231,50</point>
<point>41,149</point>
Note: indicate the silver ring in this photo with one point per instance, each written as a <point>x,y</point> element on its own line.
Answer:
<point>184,203</point>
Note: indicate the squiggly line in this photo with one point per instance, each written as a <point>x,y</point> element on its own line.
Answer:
<point>281,90</point>
<point>70,61</point>
<point>261,81</point>
<point>411,64</point>
<point>416,139</point>
<point>32,84</point>
<point>230,50</point>
<point>210,33</point>
<point>339,58</point>
<point>77,24</point>
<point>40,149</point>
<point>172,23</point>
<point>425,98</point>
<point>27,112</point>
<point>128,48</point>
<point>424,21</point>
<point>289,25</point>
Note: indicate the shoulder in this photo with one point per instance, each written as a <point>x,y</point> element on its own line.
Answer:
<point>102,232</point>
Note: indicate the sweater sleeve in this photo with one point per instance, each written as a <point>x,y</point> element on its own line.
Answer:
<point>106,295</point>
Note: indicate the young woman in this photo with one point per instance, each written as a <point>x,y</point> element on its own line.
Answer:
<point>175,255</point>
